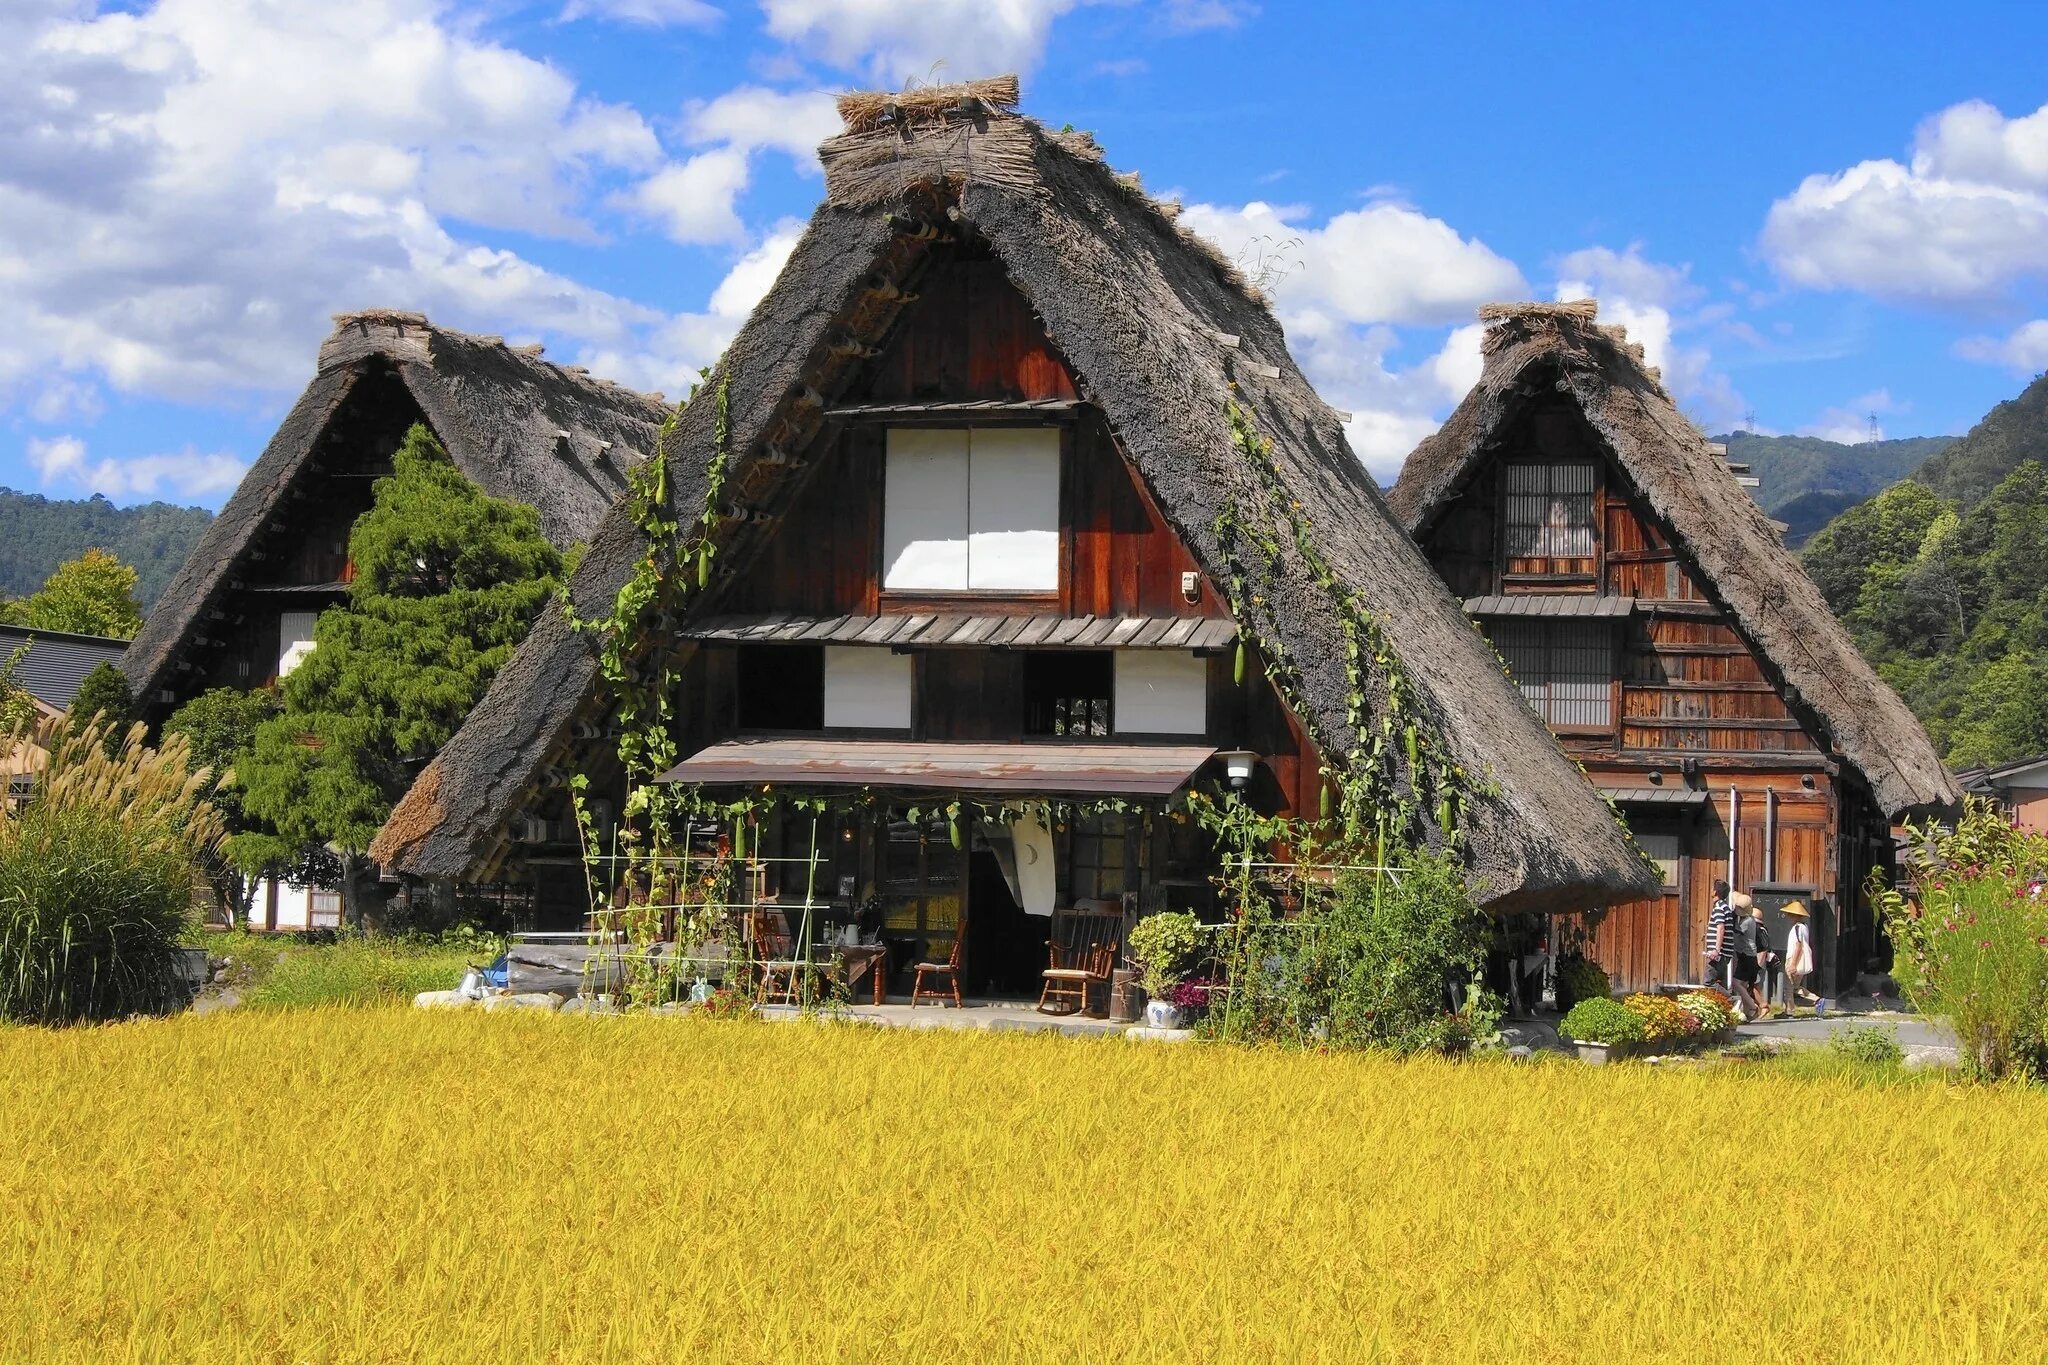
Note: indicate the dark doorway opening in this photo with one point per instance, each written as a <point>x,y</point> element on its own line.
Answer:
<point>1005,946</point>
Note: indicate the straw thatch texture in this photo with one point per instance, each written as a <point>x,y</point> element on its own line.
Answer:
<point>1158,331</point>
<point>520,427</point>
<point>1735,552</point>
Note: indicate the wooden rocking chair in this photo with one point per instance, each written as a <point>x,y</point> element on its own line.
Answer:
<point>949,969</point>
<point>1081,955</point>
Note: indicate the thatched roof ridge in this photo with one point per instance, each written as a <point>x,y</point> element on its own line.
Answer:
<point>1714,523</point>
<point>1160,334</point>
<point>520,426</point>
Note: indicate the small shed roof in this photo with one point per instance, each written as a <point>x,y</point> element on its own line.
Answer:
<point>57,661</point>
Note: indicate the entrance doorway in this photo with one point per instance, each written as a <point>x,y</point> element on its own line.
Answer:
<point>1005,946</point>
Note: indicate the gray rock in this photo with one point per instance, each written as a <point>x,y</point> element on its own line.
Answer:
<point>441,1000</point>
<point>1929,1056</point>
<point>213,1004</point>
<point>525,1000</point>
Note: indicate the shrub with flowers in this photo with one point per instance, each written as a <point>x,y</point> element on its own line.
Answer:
<point>1664,1021</point>
<point>1715,1011</point>
<point>1970,935</point>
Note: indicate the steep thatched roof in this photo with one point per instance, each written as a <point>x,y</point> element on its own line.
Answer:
<point>521,427</point>
<point>1540,347</point>
<point>1159,331</point>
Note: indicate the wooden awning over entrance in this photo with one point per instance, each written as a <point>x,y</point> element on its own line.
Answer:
<point>1010,769</point>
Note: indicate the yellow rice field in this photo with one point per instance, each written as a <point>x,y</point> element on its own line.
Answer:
<point>399,1185</point>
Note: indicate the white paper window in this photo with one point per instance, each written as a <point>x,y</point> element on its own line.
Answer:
<point>866,688</point>
<point>294,640</point>
<point>971,510</point>
<point>1161,692</point>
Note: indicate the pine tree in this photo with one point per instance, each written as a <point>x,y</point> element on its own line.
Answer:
<point>447,582</point>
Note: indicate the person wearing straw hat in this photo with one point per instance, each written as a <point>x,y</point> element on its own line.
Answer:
<point>1798,955</point>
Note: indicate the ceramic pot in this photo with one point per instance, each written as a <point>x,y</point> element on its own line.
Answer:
<point>1159,1014</point>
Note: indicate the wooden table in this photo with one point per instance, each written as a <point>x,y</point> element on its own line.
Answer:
<point>858,959</point>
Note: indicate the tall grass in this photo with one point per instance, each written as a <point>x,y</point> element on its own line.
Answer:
<point>357,970</point>
<point>402,1185</point>
<point>97,875</point>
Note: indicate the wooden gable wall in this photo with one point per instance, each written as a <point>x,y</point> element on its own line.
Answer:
<point>970,336</point>
<point>1686,680</point>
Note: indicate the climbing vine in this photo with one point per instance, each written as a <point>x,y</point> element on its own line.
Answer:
<point>1376,794</point>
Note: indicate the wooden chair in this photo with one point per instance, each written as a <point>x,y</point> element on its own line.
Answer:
<point>949,969</point>
<point>1082,955</point>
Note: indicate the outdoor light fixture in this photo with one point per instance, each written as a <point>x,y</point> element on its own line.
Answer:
<point>1237,766</point>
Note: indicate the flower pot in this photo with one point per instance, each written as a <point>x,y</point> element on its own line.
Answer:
<point>1600,1054</point>
<point>1159,1014</point>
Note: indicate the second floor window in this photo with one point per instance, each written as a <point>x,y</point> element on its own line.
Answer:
<point>1550,511</point>
<point>1564,668</point>
<point>971,510</point>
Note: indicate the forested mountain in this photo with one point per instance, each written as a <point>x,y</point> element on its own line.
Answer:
<point>1943,580</point>
<point>2014,431</point>
<point>1808,481</point>
<point>37,534</point>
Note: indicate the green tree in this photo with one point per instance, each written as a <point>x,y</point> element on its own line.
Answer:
<point>220,725</point>
<point>103,697</point>
<point>93,594</point>
<point>447,582</point>
<point>18,710</point>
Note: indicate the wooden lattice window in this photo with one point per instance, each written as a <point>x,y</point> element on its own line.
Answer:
<point>1564,668</point>
<point>1550,518</point>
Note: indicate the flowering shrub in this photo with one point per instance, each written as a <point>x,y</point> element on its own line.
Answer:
<point>1663,1020</point>
<point>1715,1011</point>
<point>1971,938</point>
<point>1601,1020</point>
<point>1192,994</point>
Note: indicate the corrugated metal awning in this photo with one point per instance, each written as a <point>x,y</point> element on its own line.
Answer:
<point>936,631</point>
<point>1047,769</point>
<point>1655,796</point>
<point>1580,604</point>
<point>960,407</point>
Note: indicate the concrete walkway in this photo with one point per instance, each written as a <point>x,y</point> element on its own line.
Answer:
<point>995,1016</point>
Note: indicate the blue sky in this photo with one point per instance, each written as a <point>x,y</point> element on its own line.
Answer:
<point>1813,213</point>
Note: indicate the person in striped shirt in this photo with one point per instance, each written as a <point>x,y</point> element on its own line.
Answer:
<point>1720,945</point>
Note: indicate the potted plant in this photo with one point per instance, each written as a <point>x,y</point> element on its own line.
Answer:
<point>1161,946</point>
<point>1604,1030</point>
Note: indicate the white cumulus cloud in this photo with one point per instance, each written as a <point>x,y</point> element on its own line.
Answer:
<point>937,40</point>
<point>653,13</point>
<point>2024,350</point>
<point>190,189</point>
<point>64,462</point>
<point>1963,220</point>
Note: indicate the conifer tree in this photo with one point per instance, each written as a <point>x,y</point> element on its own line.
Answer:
<point>447,580</point>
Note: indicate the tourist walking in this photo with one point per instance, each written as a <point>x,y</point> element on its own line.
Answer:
<point>1720,944</point>
<point>1745,950</point>
<point>1798,956</point>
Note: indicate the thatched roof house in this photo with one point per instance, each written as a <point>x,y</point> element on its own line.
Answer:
<point>1159,333</point>
<point>518,425</point>
<point>1535,351</point>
